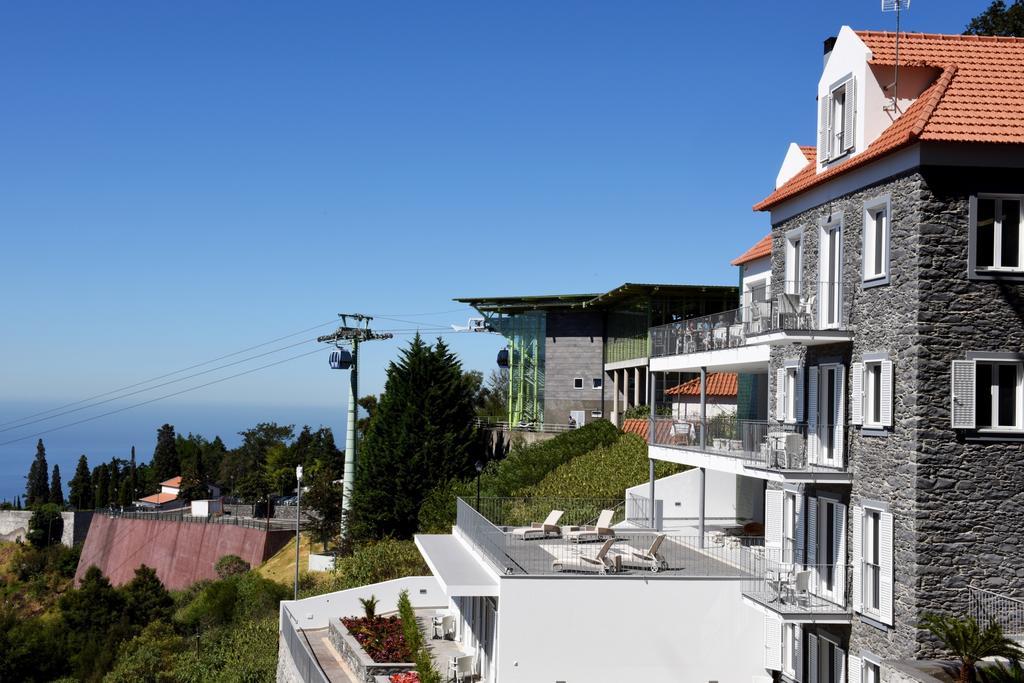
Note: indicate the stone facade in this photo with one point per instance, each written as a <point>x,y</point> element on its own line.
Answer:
<point>573,348</point>
<point>956,498</point>
<point>356,658</point>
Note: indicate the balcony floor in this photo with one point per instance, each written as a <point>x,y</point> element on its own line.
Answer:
<point>807,608</point>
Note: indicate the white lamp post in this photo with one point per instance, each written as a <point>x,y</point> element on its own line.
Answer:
<point>298,517</point>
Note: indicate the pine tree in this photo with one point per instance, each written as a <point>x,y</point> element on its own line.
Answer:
<point>421,435</point>
<point>165,457</point>
<point>999,20</point>
<point>124,496</point>
<point>101,484</point>
<point>37,489</point>
<point>17,503</point>
<point>56,489</point>
<point>113,481</point>
<point>80,493</point>
<point>133,479</point>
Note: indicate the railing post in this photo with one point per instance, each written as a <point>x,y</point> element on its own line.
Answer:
<point>703,411</point>
<point>700,510</point>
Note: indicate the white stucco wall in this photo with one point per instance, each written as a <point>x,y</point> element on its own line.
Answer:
<point>688,407</point>
<point>728,497</point>
<point>614,629</point>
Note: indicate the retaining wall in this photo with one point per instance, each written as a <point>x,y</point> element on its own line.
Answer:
<point>180,552</point>
<point>14,526</point>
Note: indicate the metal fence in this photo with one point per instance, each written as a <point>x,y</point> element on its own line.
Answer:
<point>986,606</point>
<point>503,424</point>
<point>792,306</point>
<point>305,661</point>
<point>760,443</point>
<point>569,549</point>
<point>181,516</point>
<point>801,589</point>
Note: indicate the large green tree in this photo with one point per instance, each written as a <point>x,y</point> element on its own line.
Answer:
<point>80,493</point>
<point>90,612</point>
<point>241,466</point>
<point>193,467</point>
<point>421,435</point>
<point>56,488</point>
<point>45,526</point>
<point>145,597</point>
<point>999,20</point>
<point>101,486</point>
<point>322,496</point>
<point>37,488</point>
<point>165,456</point>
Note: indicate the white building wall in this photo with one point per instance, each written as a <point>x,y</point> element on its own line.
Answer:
<point>728,497</point>
<point>617,629</point>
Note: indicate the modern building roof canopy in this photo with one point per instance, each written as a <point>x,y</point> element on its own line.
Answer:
<point>625,293</point>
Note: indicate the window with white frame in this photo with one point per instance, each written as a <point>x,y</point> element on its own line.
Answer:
<point>826,660</point>
<point>873,561</point>
<point>789,513</point>
<point>864,669</point>
<point>876,241</point>
<point>987,392</point>
<point>577,383</point>
<point>598,382</point>
<point>871,673</point>
<point>998,396</point>
<point>596,413</point>
<point>789,393</point>
<point>836,121</point>
<point>790,649</point>
<point>871,389</point>
<point>794,262</point>
<point>996,243</point>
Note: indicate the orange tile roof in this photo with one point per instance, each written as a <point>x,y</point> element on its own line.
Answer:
<point>159,498</point>
<point>638,426</point>
<point>173,481</point>
<point>721,384</point>
<point>761,249</point>
<point>978,97</point>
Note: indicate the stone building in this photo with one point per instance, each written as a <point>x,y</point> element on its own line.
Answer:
<point>891,339</point>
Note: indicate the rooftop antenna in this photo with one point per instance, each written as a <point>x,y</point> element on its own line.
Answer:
<point>896,6</point>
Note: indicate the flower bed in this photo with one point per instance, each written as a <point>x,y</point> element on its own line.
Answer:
<point>381,637</point>
<point>410,677</point>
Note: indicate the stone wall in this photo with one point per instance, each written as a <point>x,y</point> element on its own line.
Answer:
<point>14,526</point>
<point>356,658</point>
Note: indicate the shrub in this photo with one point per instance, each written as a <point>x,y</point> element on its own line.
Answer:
<point>214,605</point>
<point>369,606</point>
<point>150,656</point>
<point>45,526</point>
<point>382,638</point>
<point>375,562</point>
<point>229,565</point>
<point>644,412</point>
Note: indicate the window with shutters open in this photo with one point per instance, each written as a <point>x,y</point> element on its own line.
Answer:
<point>871,391</point>
<point>790,394</point>
<point>988,394</point>
<point>836,134</point>
<point>873,563</point>
<point>995,240</point>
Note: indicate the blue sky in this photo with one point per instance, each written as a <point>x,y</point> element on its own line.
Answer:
<point>182,180</point>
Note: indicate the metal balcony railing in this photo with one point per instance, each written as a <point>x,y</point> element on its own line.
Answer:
<point>987,606</point>
<point>560,553</point>
<point>801,591</point>
<point>804,306</point>
<point>504,425</point>
<point>759,443</point>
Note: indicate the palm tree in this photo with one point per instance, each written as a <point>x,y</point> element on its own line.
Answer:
<point>970,643</point>
<point>1001,673</point>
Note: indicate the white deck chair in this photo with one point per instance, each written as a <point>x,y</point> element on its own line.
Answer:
<point>598,563</point>
<point>650,559</point>
<point>598,532</point>
<point>548,528</point>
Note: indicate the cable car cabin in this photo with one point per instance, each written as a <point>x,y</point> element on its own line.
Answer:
<point>341,359</point>
<point>503,358</point>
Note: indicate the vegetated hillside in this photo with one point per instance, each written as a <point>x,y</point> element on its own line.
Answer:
<point>32,579</point>
<point>605,472</point>
<point>371,562</point>
<point>525,466</point>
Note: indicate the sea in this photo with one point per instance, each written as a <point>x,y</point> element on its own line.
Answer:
<point>114,435</point>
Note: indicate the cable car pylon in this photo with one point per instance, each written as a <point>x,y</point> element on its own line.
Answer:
<point>345,337</point>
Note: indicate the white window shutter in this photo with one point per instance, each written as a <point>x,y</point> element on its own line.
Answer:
<point>858,558</point>
<point>812,532</point>
<point>885,583</point>
<point>812,415</point>
<point>812,658</point>
<point>886,393</point>
<point>773,520</point>
<point>780,395</point>
<point>798,662</point>
<point>840,416</point>
<point>849,110</point>
<point>800,529</point>
<point>772,642</point>
<point>857,393</point>
<point>963,379</point>
<point>839,665</point>
<point>823,135</point>
<point>856,667</point>
<point>839,549</point>
<point>798,395</point>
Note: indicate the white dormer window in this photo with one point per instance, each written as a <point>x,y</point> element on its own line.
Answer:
<point>836,133</point>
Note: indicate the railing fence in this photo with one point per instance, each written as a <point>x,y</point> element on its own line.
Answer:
<point>305,661</point>
<point>986,606</point>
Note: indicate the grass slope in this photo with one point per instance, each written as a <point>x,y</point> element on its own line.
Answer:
<point>281,567</point>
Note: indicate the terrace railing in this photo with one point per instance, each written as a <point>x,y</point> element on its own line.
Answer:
<point>182,516</point>
<point>510,553</point>
<point>804,306</point>
<point>986,606</point>
<point>797,591</point>
<point>503,424</point>
<point>301,651</point>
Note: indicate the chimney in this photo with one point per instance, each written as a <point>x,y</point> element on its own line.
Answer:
<point>830,43</point>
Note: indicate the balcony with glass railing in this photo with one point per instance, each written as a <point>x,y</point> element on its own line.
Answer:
<point>788,312</point>
<point>758,447</point>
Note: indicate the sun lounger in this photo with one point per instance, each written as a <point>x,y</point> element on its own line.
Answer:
<point>599,563</point>
<point>651,559</point>
<point>598,532</point>
<point>547,529</point>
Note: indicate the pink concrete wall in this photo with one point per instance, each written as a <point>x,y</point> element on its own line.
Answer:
<point>180,552</point>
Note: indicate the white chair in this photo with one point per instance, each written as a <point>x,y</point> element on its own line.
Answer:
<point>462,668</point>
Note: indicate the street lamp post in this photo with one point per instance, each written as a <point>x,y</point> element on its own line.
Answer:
<point>298,517</point>
<point>479,468</point>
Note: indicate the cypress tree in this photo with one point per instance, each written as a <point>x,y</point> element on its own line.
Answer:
<point>421,435</point>
<point>113,481</point>
<point>101,484</point>
<point>133,479</point>
<point>165,456</point>
<point>56,489</point>
<point>37,488</point>
<point>80,493</point>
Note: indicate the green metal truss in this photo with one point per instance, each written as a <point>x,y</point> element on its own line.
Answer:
<point>524,333</point>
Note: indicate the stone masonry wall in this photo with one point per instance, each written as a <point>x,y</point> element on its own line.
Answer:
<point>970,492</point>
<point>883,319</point>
